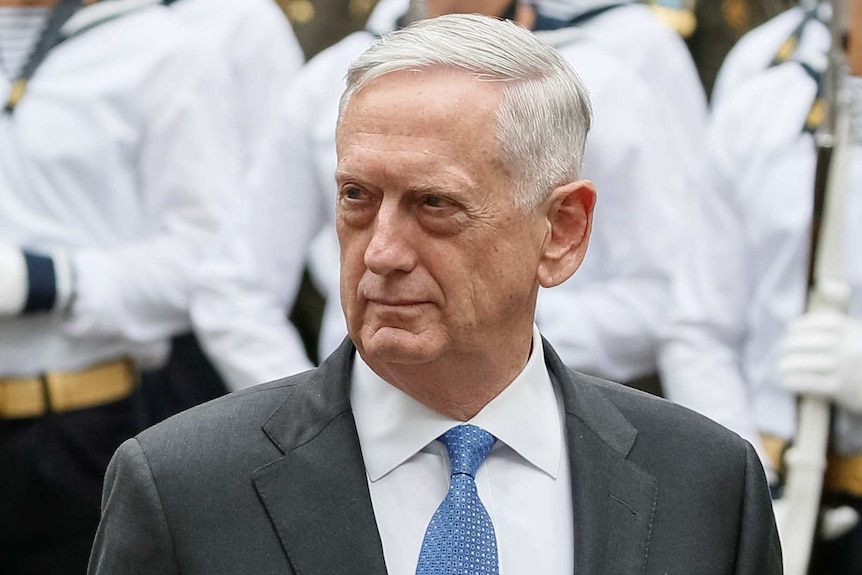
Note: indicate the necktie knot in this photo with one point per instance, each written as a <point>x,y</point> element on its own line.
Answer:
<point>468,447</point>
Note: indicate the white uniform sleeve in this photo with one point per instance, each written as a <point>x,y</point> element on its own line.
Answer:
<point>700,359</point>
<point>249,285</point>
<point>267,58</point>
<point>753,53</point>
<point>186,168</point>
<point>605,320</point>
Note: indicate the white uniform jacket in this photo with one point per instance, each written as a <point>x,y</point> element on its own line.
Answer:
<point>758,48</point>
<point>745,276</point>
<point>117,159</point>
<point>260,47</point>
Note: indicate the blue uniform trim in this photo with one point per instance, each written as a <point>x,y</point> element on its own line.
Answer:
<point>788,52</point>
<point>403,22</point>
<point>776,491</point>
<point>788,48</point>
<point>50,38</point>
<point>546,23</point>
<point>41,282</point>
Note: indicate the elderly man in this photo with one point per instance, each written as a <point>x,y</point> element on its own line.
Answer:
<point>287,218</point>
<point>458,196</point>
<point>117,157</point>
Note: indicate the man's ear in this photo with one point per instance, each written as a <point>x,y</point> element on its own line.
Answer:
<point>569,222</point>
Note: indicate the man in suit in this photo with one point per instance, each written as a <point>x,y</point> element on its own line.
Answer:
<point>459,144</point>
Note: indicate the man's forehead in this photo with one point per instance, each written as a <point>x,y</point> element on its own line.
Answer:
<point>429,91</point>
<point>437,104</point>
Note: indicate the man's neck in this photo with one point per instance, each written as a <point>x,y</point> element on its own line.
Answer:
<point>457,387</point>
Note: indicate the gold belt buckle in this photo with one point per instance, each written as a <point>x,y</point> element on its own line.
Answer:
<point>775,447</point>
<point>844,474</point>
<point>60,392</point>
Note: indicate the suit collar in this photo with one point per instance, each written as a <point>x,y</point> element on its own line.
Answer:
<point>318,500</point>
<point>583,401</point>
<point>613,499</point>
<point>317,495</point>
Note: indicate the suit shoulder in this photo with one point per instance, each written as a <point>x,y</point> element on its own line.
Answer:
<point>233,414</point>
<point>698,464</point>
<point>664,421</point>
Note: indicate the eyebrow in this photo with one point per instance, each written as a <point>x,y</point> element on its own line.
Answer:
<point>431,184</point>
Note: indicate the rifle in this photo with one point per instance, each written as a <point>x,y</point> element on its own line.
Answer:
<point>805,460</point>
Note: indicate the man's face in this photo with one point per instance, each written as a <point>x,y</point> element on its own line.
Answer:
<point>436,259</point>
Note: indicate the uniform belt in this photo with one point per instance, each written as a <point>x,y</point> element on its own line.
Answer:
<point>61,391</point>
<point>774,447</point>
<point>843,472</point>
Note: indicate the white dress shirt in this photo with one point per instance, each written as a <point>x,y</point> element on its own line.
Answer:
<point>524,483</point>
<point>118,158</point>
<point>745,277</point>
<point>604,321</point>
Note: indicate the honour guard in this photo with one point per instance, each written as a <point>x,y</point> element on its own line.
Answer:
<point>656,54</point>
<point>764,315</point>
<point>263,56</point>
<point>797,33</point>
<point>117,153</point>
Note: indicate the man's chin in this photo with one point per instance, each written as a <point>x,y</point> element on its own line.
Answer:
<point>392,345</point>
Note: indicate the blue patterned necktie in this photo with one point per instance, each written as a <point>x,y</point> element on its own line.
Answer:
<point>460,538</point>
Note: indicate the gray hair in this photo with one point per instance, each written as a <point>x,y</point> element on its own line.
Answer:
<point>544,115</point>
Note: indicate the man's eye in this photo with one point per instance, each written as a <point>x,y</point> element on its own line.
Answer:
<point>437,202</point>
<point>353,194</point>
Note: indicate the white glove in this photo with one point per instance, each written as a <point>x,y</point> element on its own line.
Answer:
<point>835,522</point>
<point>13,281</point>
<point>821,355</point>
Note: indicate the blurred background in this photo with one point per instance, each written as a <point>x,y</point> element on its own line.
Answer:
<point>710,28</point>
<point>717,24</point>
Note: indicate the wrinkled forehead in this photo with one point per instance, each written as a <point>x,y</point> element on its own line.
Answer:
<point>437,103</point>
<point>408,130</point>
<point>437,87</point>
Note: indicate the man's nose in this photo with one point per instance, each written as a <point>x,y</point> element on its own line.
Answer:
<point>391,246</point>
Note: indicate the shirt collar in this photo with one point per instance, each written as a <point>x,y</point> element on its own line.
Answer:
<point>392,426</point>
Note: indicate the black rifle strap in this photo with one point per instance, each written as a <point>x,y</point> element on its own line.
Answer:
<point>51,36</point>
<point>788,51</point>
<point>788,48</point>
<point>546,23</point>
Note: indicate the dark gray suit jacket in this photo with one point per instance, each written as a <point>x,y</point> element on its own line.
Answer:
<point>271,480</point>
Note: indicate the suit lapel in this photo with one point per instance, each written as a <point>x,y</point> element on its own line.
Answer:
<point>613,499</point>
<point>317,495</point>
